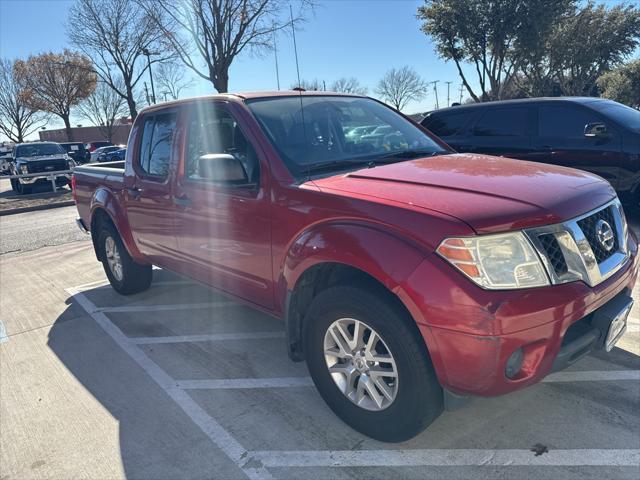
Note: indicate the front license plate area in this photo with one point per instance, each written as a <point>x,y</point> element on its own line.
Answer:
<point>618,327</point>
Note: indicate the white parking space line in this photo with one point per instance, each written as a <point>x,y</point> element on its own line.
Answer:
<point>288,382</point>
<point>3,333</point>
<point>593,376</point>
<point>214,337</point>
<point>163,308</point>
<point>242,383</point>
<point>454,457</point>
<point>104,282</point>
<point>210,427</point>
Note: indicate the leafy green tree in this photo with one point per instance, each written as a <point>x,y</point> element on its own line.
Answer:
<point>581,47</point>
<point>622,84</point>
<point>491,36</point>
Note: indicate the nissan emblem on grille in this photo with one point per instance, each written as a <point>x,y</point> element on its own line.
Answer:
<point>604,233</point>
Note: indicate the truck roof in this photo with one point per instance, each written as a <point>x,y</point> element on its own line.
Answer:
<point>247,96</point>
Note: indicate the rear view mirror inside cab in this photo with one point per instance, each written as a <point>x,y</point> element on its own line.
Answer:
<point>223,168</point>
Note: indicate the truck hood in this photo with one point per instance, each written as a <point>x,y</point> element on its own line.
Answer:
<point>490,194</point>
<point>40,158</point>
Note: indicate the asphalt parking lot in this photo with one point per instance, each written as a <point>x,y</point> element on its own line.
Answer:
<point>180,382</point>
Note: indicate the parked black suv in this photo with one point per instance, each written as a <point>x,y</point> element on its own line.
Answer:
<point>77,151</point>
<point>41,158</point>
<point>592,134</point>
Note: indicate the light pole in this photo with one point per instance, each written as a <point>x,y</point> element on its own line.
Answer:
<point>147,53</point>
<point>435,90</point>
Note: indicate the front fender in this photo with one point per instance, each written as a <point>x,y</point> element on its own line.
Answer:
<point>381,254</point>
<point>105,200</point>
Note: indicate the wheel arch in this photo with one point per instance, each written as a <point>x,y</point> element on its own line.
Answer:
<point>343,254</point>
<point>105,207</point>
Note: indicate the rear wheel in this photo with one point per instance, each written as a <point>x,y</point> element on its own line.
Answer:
<point>126,276</point>
<point>370,365</point>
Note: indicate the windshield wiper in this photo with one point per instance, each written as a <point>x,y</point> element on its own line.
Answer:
<point>408,154</point>
<point>335,164</point>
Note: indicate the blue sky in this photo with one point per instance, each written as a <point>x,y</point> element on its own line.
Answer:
<point>360,38</point>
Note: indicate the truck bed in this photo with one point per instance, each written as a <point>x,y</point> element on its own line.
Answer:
<point>92,177</point>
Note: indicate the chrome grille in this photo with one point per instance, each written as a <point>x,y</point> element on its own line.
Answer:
<point>573,250</point>
<point>588,226</point>
<point>554,253</point>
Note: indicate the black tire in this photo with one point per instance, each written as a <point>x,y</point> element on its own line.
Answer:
<point>135,277</point>
<point>419,398</point>
<point>14,185</point>
<point>22,189</point>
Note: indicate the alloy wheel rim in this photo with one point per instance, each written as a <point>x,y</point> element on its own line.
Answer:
<point>361,364</point>
<point>113,258</point>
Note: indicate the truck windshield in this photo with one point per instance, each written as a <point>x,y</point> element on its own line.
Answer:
<point>312,132</point>
<point>627,116</point>
<point>38,149</point>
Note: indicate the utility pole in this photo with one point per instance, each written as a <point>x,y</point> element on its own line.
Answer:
<point>435,90</point>
<point>275,52</point>
<point>461,87</point>
<point>147,53</point>
<point>146,91</point>
<point>448,86</point>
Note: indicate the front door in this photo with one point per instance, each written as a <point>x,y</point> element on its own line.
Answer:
<point>561,141</point>
<point>224,228</point>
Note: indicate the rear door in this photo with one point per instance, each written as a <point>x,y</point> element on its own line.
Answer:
<point>224,229</point>
<point>560,140</point>
<point>503,131</point>
<point>148,194</point>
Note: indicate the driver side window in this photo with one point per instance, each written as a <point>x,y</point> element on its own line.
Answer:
<point>213,130</point>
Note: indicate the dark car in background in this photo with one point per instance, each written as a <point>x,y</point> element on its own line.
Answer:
<point>39,157</point>
<point>593,134</point>
<point>113,156</point>
<point>77,151</point>
<point>100,154</point>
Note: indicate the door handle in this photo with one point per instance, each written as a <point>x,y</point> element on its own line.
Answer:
<point>134,192</point>
<point>183,202</point>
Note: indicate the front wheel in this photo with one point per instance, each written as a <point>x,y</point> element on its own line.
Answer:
<point>125,275</point>
<point>370,365</point>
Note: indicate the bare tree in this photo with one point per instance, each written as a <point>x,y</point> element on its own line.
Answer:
<point>348,85</point>
<point>55,83</point>
<point>17,121</point>
<point>104,107</point>
<point>115,34</point>
<point>207,35</point>
<point>400,86</point>
<point>314,85</point>
<point>172,79</point>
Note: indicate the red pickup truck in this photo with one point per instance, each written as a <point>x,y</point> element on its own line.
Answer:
<point>409,277</point>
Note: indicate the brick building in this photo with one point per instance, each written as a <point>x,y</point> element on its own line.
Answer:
<point>88,134</point>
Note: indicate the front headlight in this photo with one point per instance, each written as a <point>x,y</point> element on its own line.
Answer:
<point>71,163</point>
<point>24,168</point>
<point>496,262</point>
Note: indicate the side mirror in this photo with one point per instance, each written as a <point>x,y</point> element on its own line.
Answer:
<point>222,167</point>
<point>597,130</point>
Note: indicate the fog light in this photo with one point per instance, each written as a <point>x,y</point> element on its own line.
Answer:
<point>514,364</point>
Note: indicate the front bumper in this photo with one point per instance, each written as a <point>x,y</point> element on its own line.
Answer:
<point>61,179</point>
<point>471,333</point>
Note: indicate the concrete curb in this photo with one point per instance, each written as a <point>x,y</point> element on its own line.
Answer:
<point>34,208</point>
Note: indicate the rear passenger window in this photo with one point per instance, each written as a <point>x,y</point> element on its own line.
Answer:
<point>563,121</point>
<point>503,122</point>
<point>446,125</point>
<point>157,143</point>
